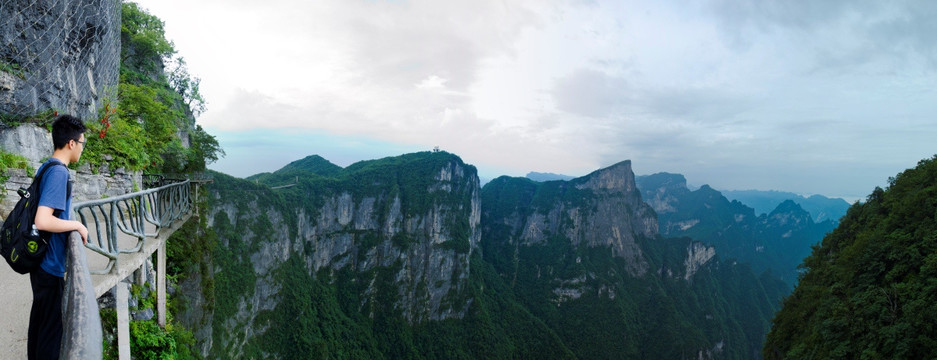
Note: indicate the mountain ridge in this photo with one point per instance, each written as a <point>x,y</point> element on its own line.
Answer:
<point>410,257</point>
<point>819,206</point>
<point>777,241</point>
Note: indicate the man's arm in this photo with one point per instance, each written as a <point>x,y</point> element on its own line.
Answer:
<point>45,221</point>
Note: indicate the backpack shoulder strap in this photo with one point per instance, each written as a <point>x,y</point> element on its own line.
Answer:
<point>38,179</point>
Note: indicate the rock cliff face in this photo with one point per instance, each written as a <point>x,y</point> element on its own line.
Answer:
<point>62,54</point>
<point>776,241</point>
<point>662,191</point>
<point>585,256</point>
<point>31,141</point>
<point>35,144</point>
<point>602,209</point>
<point>367,224</point>
<point>697,256</point>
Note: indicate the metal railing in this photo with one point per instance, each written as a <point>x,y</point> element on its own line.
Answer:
<point>130,214</point>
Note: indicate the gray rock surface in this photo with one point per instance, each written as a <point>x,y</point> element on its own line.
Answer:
<point>612,217</point>
<point>67,53</point>
<point>30,141</point>
<point>358,232</point>
<point>35,144</point>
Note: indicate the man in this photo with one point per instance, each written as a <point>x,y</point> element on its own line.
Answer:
<point>52,215</point>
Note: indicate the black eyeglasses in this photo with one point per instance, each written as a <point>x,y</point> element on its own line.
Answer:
<point>81,142</point>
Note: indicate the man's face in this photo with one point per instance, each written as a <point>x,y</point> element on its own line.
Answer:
<point>79,148</point>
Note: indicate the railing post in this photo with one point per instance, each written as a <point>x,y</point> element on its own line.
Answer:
<point>195,200</point>
<point>141,274</point>
<point>123,320</point>
<point>161,283</point>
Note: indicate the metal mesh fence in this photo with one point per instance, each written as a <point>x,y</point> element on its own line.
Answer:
<point>60,55</point>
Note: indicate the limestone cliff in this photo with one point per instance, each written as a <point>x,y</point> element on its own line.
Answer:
<point>586,257</point>
<point>413,219</point>
<point>61,55</point>
<point>35,144</point>
<point>777,241</point>
<point>602,209</point>
<point>697,256</point>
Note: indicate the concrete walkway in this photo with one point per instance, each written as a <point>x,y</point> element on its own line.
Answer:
<point>16,297</point>
<point>16,293</point>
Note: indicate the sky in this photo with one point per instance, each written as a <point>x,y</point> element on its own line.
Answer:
<point>813,97</point>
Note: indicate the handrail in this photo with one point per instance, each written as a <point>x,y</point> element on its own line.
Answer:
<point>130,215</point>
<point>82,320</point>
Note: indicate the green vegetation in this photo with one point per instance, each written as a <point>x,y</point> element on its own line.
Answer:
<point>870,289</point>
<point>12,69</point>
<point>351,312</point>
<point>12,161</point>
<point>141,131</point>
<point>153,106</point>
<point>42,118</point>
<point>147,339</point>
<point>551,300</point>
<point>597,308</point>
<point>776,242</point>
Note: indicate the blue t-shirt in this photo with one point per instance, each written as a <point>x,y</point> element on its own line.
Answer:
<point>55,193</point>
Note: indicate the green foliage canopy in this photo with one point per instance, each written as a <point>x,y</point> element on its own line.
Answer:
<point>155,107</point>
<point>870,288</point>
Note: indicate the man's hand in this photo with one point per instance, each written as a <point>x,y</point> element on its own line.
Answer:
<point>83,231</point>
<point>47,222</point>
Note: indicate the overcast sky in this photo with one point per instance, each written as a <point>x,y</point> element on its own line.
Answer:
<point>814,97</point>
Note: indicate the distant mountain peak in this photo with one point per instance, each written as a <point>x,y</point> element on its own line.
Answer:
<point>616,177</point>
<point>820,207</point>
<point>663,180</point>
<point>314,164</point>
<point>542,177</point>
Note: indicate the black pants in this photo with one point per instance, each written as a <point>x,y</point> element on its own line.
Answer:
<point>45,319</point>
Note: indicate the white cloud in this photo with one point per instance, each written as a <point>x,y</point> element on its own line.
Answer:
<point>432,82</point>
<point>567,86</point>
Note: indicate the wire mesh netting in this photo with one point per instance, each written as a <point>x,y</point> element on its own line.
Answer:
<point>60,55</point>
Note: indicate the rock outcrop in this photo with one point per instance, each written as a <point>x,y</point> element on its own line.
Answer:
<point>62,55</point>
<point>776,241</point>
<point>35,144</point>
<point>602,209</point>
<point>31,141</point>
<point>697,256</point>
<point>423,236</point>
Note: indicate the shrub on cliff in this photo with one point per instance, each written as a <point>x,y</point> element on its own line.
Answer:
<point>155,107</point>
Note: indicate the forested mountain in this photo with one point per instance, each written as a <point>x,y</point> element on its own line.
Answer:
<point>776,242</point>
<point>406,257</point>
<point>310,165</point>
<point>584,256</point>
<point>377,261</point>
<point>870,289</point>
<point>820,207</point>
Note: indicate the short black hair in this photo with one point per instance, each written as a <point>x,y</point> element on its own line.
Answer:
<point>66,128</point>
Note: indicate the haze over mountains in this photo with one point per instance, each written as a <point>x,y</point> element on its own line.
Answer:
<point>775,242</point>
<point>820,207</point>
